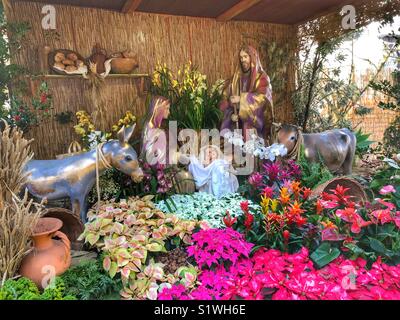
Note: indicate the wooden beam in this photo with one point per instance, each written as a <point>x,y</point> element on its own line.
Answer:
<point>237,9</point>
<point>337,9</point>
<point>130,6</point>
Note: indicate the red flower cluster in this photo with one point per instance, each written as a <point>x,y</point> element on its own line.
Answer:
<point>249,218</point>
<point>228,220</point>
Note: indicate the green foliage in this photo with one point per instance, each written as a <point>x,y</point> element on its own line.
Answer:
<point>14,289</point>
<point>363,143</point>
<point>88,281</point>
<point>25,115</point>
<point>194,104</point>
<point>313,173</point>
<point>389,175</point>
<point>57,291</point>
<point>25,289</point>
<point>11,37</point>
<point>320,87</point>
<point>324,255</point>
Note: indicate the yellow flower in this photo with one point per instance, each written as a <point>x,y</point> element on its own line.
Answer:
<point>274,204</point>
<point>265,202</point>
<point>79,130</point>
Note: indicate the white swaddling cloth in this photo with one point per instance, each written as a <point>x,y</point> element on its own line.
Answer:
<point>214,178</point>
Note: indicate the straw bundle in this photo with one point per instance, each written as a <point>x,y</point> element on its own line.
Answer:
<point>17,221</point>
<point>14,154</point>
<point>17,216</point>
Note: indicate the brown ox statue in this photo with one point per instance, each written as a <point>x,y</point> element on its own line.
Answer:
<point>336,148</point>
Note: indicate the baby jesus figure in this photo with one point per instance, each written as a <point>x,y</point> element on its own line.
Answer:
<point>212,173</point>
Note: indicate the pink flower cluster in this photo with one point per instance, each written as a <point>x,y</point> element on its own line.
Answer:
<point>214,246</point>
<point>274,173</point>
<point>281,276</point>
<point>158,172</point>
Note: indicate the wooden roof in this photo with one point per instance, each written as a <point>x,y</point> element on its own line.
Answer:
<point>272,11</point>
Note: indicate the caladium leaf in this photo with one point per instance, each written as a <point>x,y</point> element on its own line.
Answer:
<point>125,272</point>
<point>113,269</point>
<point>155,247</point>
<point>92,238</point>
<point>107,263</point>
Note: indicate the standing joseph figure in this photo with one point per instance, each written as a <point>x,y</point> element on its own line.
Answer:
<point>248,98</point>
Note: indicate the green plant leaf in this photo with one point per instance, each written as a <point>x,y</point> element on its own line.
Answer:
<point>324,254</point>
<point>377,245</point>
<point>92,238</point>
<point>113,269</point>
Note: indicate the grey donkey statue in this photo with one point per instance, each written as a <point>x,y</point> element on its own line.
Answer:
<point>74,176</point>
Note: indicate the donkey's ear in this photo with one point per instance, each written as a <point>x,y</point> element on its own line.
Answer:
<point>278,126</point>
<point>121,135</point>
<point>129,132</point>
<point>125,133</point>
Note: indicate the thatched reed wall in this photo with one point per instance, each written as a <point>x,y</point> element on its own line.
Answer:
<point>211,46</point>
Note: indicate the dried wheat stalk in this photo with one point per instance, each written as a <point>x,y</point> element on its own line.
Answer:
<point>17,221</point>
<point>15,152</point>
<point>18,216</point>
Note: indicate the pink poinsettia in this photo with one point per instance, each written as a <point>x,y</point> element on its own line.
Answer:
<point>383,216</point>
<point>387,189</point>
<point>214,245</point>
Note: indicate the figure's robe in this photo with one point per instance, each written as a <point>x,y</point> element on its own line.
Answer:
<point>214,178</point>
<point>254,103</point>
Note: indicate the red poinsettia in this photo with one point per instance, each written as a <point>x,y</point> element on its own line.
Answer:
<point>350,215</point>
<point>383,216</point>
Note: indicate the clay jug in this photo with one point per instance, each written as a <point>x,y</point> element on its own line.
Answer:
<point>49,256</point>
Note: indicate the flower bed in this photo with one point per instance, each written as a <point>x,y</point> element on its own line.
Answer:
<point>202,206</point>
<point>130,234</point>
<point>271,274</point>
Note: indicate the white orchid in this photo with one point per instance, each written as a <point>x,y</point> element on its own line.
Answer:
<point>256,146</point>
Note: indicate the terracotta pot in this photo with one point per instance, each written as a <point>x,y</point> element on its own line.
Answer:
<point>72,225</point>
<point>123,65</point>
<point>48,255</point>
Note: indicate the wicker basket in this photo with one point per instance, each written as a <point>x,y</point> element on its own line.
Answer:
<point>51,62</point>
<point>184,182</point>
<point>73,149</point>
<point>72,225</point>
<point>355,188</point>
<point>123,65</point>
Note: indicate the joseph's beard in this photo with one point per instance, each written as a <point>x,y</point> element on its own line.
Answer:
<point>245,68</point>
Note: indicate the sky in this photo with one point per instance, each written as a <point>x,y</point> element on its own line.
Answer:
<point>368,46</point>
